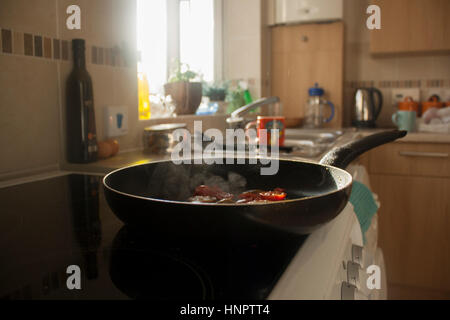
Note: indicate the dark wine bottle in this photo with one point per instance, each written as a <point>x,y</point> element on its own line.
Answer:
<point>80,116</point>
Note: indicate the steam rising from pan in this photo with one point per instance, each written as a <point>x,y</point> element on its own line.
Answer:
<point>179,182</point>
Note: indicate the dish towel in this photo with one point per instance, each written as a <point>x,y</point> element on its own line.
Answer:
<point>364,204</point>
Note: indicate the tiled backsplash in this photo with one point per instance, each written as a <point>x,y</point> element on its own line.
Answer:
<point>436,83</point>
<point>40,46</point>
<point>36,59</point>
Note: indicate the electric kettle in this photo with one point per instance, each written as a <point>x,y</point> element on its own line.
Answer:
<point>368,103</point>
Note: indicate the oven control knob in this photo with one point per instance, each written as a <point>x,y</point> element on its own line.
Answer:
<point>357,255</point>
<point>350,292</point>
<point>355,274</point>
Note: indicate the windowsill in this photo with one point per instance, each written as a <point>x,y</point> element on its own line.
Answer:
<point>185,117</point>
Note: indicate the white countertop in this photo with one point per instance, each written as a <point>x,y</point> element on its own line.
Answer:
<point>136,157</point>
<point>416,137</point>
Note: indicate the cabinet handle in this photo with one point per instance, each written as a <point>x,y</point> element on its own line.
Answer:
<point>423,154</point>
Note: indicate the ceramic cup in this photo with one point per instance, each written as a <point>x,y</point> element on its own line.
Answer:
<point>269,123</point>
<point>405,120</point>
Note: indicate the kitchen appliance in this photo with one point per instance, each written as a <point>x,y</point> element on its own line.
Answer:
<point>315,109</point>
<point>66,221</point>
<point>295,11</point>
<point>122,262</point>
<point>144,194</point>
<point>159,139</point>
<point>368,104</point>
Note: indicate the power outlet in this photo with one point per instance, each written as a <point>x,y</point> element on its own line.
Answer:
<point>116,121</point>
<point>445,95</point>
<point>399,95</point>
<point>440,92</point>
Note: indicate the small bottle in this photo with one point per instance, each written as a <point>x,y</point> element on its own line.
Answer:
<point>143,95</point>
<point>80,115</point>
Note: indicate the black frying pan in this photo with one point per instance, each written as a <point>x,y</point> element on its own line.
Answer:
<point>153,196</point>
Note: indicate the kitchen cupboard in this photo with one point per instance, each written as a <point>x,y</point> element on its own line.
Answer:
<point>411,26</point>
<point>412,181</point>
<point>302,55</point>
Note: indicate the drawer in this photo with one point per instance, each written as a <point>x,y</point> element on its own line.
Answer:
<point>415,159</point>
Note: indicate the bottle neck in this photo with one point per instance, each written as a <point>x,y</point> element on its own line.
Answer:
<point>79,60</point>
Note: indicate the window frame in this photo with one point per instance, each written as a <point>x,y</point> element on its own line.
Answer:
<point>173,43</point>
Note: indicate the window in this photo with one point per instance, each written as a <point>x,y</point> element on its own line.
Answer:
<point>172,31</point>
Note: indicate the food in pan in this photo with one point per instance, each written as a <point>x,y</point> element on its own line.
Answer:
<point>213,194</point>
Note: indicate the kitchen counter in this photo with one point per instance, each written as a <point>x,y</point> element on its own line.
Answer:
<point>138,157</point>
<point>121,160</point>
<point>418,137</point>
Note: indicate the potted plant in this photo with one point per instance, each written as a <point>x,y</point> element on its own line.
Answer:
<point>186,93</point>
<point>215,91</point>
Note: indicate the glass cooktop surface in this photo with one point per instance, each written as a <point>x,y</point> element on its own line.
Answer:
<point>60,240</point>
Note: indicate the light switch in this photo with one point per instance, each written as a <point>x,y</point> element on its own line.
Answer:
<point>116,121</point>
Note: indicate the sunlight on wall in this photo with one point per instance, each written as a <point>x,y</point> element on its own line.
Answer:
<point>197,36</point>
<point>152,41</point>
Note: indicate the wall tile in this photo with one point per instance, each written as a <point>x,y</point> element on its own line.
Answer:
<point>70,50</point>
<point>105,23</point>
<point>28,44</point>
<point>100,56</point>
<point>56,49</point>
<point>125,94</point>
<point>64,50</point>
<point>18,42</point>
<point>87,53</point>
<point>38,52</point>
<point>48,48</point>
<point>107,56</point>
<point>94,55</point>
<point>7,45</point>
<point>415,67</point>
<point>104,92</point>
<point>441,66</point>
<point>27,144</point>
<point>37,16</point>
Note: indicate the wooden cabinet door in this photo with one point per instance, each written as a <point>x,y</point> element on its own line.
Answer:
<point>302,55</point>
<point>412,26</point>
<point>414,229</point>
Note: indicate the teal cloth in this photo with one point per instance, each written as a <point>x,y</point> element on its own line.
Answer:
<point>364,205</point>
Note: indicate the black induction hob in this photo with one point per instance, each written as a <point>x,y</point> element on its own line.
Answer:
<point>48,225</point>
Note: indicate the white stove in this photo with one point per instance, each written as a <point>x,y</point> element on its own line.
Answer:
<point>333,261</point>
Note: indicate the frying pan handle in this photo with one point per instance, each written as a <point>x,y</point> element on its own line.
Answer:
<point>342,156</point>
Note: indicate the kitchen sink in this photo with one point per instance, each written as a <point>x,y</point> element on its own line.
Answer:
<point>304,143</point>
<point>311,143</point>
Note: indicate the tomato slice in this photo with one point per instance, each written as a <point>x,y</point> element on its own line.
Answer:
<point>276,195</point>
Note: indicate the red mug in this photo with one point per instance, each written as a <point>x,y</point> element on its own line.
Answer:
<point>269,123</point>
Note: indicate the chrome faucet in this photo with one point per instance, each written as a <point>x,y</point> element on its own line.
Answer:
<point>236,119</point>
